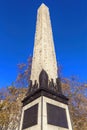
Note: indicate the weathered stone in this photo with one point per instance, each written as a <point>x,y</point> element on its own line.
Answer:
<point>44,52</point>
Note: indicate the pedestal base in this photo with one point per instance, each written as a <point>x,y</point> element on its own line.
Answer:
<point>41,112</point>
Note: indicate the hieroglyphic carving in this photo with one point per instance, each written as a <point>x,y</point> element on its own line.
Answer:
<point>44,52</point>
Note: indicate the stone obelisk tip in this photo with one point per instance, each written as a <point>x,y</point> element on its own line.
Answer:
<point>43,5</point>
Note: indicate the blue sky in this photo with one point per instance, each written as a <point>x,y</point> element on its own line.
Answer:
<point>17,29</point>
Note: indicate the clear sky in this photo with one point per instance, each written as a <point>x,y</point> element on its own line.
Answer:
<point>17,29</point>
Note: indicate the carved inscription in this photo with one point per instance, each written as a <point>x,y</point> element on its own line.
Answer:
<point>56,116</point>
<point>30,117</point>
<point>44,50</point>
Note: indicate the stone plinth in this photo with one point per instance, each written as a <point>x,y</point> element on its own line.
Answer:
<point>49,111</point>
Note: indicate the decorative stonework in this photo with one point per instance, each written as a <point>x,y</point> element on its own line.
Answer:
<point>45,83</point>
<point>44,52</point>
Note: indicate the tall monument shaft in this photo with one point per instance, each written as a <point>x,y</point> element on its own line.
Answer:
<point>44,107</point>
<point>44,52</point>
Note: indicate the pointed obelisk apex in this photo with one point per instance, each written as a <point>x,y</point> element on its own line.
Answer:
<point>43,6</point>
<point>44,52</point>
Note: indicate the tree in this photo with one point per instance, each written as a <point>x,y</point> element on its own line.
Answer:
<point>24,71</point>
<point>10,107</point>
<point>77,93</point>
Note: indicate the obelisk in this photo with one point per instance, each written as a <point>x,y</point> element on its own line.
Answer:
<point>44,107</point>
<point>44,52</point>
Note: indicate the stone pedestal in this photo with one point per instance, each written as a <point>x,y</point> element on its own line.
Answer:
<point>45,110</point>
